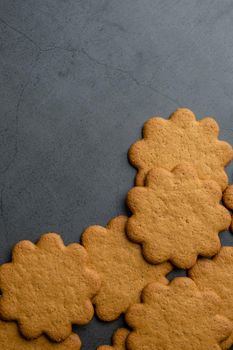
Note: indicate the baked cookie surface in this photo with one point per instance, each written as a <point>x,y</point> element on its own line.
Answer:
<point>11,339</point>
<point>228,197</point>
<point>48,287</point>
<point>167,143</point>
<point>177,316</point>
<point>118,340</point>
<point>228,201</point>
<point>177,216</point>
<point>217,275</point>
<point>122,269</point>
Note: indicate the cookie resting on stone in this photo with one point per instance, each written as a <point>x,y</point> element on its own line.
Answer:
<point>11,339</point>
<point>167,143</point>
<point>217,275</point>
<point>228,197</point>
<point>118,340</point>
<point>177,316</point>
<point>48,287</point>
<point>177,216</point>
<point>228,201</point>
<point>122,269</point>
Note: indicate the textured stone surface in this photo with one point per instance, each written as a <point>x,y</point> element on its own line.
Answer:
<point>78,80</point>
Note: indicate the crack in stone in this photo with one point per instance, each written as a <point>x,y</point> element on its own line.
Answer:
<point>106,65</point>
<point>130,75</point>
<point>33,42</point>
<point>70,50</point>
<point>20,33</point>
<point>21,94</point>
<point>171,99</point>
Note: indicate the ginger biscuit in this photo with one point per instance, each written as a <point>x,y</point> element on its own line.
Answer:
<point>217,275</point>
<point>167,143</point>
<point>228,197</point>
<point>118,340</point>
<point>228,201</point>
<point>177,216</point>
<point>48,287</point>
<point>177,316</point>
<point>11,339</point>
<point>121,267</point>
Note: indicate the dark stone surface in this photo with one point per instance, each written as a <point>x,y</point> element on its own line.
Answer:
<point>78,78</point>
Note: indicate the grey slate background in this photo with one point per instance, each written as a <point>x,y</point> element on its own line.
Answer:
<point>78,78</point>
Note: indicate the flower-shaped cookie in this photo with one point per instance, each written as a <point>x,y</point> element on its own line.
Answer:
<point>123,270</point>
<point>167,143</point>
<point>228,200</point>
<point>177,316</point>
<point>11,339</point>
<point>228,197</point>
<point>177,216</point>
<point>48,287</point>
<point>118,340</point>
<point>217,275</point>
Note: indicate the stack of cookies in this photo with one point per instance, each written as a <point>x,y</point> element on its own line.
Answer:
<point>177,215</point>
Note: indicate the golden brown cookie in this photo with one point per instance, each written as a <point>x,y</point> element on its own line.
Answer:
<point>118,340</point>
<point>177,316</point>
<point>228,197</point>
<point>228,201</point>
<point>177,216</point>
<point>217,275</point>
<point>121,266</point>
<point>48,287</point>
<point>182,138</point>
<point>11,339</point>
